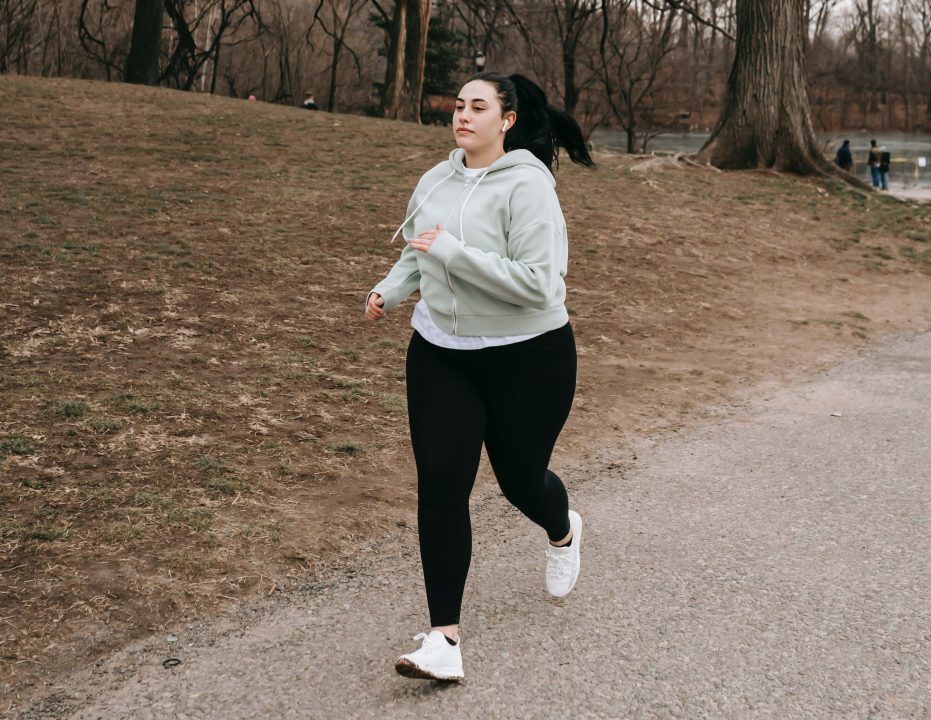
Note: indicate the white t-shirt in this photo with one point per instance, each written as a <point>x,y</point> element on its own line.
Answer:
<point>432,333</point>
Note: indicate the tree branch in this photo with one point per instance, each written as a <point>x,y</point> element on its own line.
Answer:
<point>688,10</point>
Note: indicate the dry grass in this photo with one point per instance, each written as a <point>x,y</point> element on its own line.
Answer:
<point>193,405</point>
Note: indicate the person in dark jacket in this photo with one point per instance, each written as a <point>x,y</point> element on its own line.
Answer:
<point>844,158</point>
<point>885,159</point>
<point>873,162</point>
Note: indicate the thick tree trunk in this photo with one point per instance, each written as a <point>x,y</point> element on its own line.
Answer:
<point>418,26</point>
<point>394,74</point>
<point>142,62</point>
<point>765,120</point>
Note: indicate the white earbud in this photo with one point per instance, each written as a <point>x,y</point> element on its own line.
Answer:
<point>504,127</point>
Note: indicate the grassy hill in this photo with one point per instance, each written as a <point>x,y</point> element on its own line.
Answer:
<point>194,408</point>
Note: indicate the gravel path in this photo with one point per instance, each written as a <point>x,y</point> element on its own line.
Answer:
<point>773,565</point>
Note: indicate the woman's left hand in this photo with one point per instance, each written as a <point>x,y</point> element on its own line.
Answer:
<point>423,241</point>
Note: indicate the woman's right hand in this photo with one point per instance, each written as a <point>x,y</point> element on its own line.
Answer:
<point>374,309</point>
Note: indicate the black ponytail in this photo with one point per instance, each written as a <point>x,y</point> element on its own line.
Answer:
<point>540,128</point>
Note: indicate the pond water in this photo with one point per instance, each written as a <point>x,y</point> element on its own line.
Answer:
<point>906,174</point>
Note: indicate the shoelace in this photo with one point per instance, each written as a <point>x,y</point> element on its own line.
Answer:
<point>424,646</point>
<point>562,564</point>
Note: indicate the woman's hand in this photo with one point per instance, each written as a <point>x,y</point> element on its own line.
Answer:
<point>374,309</point>
<point>423,241</point>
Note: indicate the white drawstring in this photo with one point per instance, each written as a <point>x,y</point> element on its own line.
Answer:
<point>417,209</point>
<point>466,202</point>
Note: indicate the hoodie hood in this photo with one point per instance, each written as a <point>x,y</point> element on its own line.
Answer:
<point>456,166</point>
<point>508,160</point>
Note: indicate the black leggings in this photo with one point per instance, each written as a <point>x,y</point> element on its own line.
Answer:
<point>514,399</point>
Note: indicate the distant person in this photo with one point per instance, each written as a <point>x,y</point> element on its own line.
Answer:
<point>885,159</point>
<point>492,360</point>
<point>310,103</point>
<point>873,162</point>
<point>844,157</point>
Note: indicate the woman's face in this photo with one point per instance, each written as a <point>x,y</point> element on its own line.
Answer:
<point>477,121</point>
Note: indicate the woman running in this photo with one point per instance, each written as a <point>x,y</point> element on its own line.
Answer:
<point>492,359</point>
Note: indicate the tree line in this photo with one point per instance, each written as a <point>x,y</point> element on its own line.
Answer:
<point>640,65</point>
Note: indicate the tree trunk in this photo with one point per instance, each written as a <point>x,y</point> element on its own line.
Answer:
<point>571,94</point>
<point>418,26</point>
<point>765,117</point>
<point>394,74</point>
<point>216,69</point>
<point>873,54</point>
<point>142,62</point>
<point>331,95</point>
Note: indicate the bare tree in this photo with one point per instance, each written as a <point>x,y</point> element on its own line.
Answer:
<point>288,47</point>
<point>219,18</point>
<point>341,14</point>
<point>407,25</point>
<point>394,72</point>
<point>100,32</point>
<point>717,11</point>
<point>905,37</point>
<point>923,12</point>
<point>16,18</point>
<point>819,15</point>
<point>418,26</point>
<point>569,19</point>
<point>53,42</point>
<point>866,39</point>
<point>765,118</point>
<point>142,63</point>
<point>483,22</point>
<point>635,40</point>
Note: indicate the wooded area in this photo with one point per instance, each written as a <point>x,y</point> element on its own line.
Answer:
<point>640,65</point>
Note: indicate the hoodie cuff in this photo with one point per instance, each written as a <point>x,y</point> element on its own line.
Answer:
<point>445,247</point>
<point>388,294</point>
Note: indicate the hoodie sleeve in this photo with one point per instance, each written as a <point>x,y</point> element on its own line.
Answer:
<point>404,276</point>
<point>400,281</point>
<point>530,276</point>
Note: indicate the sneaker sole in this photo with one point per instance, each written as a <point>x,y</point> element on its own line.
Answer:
<point>579,568</point>
<point>410,670</point>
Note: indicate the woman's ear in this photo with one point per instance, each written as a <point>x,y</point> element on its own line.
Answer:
<point>509,119</point>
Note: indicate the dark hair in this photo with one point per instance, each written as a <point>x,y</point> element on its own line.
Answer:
<point>540,127</point>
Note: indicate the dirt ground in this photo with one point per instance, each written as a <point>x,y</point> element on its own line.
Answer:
<point>194,408</point>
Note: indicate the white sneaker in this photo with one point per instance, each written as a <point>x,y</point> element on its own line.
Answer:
<point>563,563</point>
<point>436,659</point>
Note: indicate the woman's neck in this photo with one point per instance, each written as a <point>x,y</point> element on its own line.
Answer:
<point>483,159</point>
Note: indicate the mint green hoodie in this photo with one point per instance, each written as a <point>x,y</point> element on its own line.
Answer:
<point>497,268</point>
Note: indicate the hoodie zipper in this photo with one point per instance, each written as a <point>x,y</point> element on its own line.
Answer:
<point>463,192</point>
<point>449,282</point>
